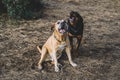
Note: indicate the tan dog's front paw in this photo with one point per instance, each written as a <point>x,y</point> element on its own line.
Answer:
<point>73,64</point>
<point>39,67</point>
<point>57,69</point>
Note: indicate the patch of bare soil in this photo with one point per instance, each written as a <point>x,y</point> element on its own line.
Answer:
<point>99,57</point>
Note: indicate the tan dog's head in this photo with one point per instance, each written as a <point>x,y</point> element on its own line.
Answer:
<point>60,27</point>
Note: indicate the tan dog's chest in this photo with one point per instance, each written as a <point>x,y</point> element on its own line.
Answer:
<point>61,46</point>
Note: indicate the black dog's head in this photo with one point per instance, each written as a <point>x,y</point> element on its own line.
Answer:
<point>74,18</point>
<point>75,23</point>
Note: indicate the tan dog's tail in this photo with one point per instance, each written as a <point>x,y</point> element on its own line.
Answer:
<point>39,49</point>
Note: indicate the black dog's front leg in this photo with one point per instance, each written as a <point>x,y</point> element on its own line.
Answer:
<point>71,42</point>
<point>78,43</point>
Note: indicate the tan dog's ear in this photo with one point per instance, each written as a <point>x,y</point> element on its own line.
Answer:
<point>53,26</point>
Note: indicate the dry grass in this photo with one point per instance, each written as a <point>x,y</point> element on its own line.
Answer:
<point>99,57</point>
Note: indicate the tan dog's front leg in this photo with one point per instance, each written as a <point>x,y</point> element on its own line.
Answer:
<point>55,61</point>
<point>43,55</point>
<point>69,57</point>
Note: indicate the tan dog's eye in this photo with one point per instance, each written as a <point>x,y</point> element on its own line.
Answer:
<point>58,22</point>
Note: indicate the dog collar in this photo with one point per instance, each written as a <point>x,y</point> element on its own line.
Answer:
<point>58,39</point>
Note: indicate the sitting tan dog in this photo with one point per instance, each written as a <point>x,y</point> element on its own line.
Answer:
<point>58,41</point>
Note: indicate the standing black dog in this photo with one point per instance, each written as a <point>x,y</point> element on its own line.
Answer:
<point>75,29</point>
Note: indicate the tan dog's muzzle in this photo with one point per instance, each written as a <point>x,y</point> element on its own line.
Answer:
<point>62,26</point>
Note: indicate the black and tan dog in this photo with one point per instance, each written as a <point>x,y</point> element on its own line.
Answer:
<point>58,41</point>
<point>75,29</point>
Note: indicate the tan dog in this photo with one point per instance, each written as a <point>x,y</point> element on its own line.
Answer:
<point>58,41</point>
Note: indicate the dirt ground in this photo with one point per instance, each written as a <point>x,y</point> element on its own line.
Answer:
<point>99,57</point>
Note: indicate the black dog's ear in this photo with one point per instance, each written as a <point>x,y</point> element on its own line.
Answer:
<point>77,14</point>
<point>53,26</point>
<point>79,17</point>
<point>71,13</point>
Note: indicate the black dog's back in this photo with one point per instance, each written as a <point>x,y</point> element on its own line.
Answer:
<point>80,24</point>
